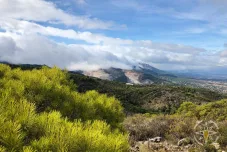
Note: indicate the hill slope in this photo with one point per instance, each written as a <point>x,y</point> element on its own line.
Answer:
<point>151,98</point>
<point>126,76</point>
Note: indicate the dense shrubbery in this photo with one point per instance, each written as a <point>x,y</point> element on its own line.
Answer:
<point>51,89</point>
<point>215,110</point>
<point>40,111</point>
<point>146,99</point>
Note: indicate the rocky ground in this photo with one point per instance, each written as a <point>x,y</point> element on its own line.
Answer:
<point>164,146</point>
<point>161,147</point>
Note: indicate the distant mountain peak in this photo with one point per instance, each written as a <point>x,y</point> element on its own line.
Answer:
<point>140,74</point>
<point>146,66</point>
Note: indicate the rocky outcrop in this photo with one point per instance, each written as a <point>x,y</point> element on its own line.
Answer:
<point>184,142</point>
<point>155,139</point>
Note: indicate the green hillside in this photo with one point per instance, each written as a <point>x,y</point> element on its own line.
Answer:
<point>143,99</point>
<point>155,98</point>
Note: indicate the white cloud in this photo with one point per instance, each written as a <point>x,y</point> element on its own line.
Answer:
<point>80,2</point>
<point>177,48</point>
<point>102,52</point>
<point>195,30</point>
<point>7,48</point>
<point>212,14</point>
<point>43,11</point>
<point>25,27</point>
<point>26,41</point>
<point>223,53</point>
<point>36,49</point>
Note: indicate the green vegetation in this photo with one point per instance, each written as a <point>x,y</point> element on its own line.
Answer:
<point>171,127</point>
<point>146,99</point>
<point>211,111</point>
<point>47,109</point>
<point>223,132</point>
<point>141,99</point>
<point>180,125</point>
<point>41,111</point>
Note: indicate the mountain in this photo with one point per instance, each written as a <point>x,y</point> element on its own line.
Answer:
<point>148,69</point>
<point>145,74</point>
<point>142,74</point>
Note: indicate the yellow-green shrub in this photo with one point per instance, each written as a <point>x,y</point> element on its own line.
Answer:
<point>41,111</point>
<point>60,134</point>
<point>51,89</point>
<point>214,110</point>
<point>2,149</point>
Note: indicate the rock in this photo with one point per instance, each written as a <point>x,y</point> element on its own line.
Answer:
<point>135,149</point>
<point>139,143</point>
<point>145,143</point>
<point>216,145</point>
<point>187,146</point>
<point>184,142</point>
<point>175,147</point>
<point>156,139</point>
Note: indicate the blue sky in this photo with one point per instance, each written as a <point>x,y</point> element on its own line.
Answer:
<point>157,20</point>
<point>93,34</point>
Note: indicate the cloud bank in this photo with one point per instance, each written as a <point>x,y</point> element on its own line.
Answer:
<point>29,35</point>
<point>43,11</point>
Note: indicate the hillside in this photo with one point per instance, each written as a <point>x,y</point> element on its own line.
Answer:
<point>144,74</point>
<point>154,98</point>
<point>150,98</point>
<point>135,76</point>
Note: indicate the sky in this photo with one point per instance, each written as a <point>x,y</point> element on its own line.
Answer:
<point>93,34</point>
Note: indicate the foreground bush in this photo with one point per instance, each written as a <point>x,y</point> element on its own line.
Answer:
<point>51,89</point>
<point>40,111</point>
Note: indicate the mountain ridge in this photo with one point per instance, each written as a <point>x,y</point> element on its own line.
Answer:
<point>143,74</point>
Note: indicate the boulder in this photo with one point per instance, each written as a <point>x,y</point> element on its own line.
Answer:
<point>184,142</point>
<point>155,139</point>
